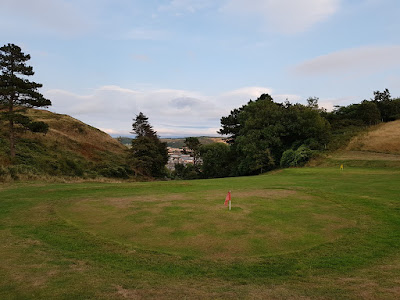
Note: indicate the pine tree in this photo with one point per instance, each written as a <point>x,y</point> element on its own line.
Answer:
<point>18,93</point>
<point>142,127</point>
<point>148,155</point>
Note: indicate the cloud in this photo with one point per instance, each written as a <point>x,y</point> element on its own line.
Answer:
<point>283,16</point>
<point>358,61</point>
<point>171,112</point>
<point>47,15</point>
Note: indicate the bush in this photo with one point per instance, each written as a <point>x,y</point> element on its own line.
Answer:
<point>114,172</point>
<point>288,158</point>
<point>185,172</point>
<point>17,171</point>
<point>291,158</point>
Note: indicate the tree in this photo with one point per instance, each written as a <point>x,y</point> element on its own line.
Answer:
<point>194,144</point>
<point>312,102</point>
<point>141,126</point>
<point>18,93</point>
<point>388,107</point>
<point>216,160</point>
<point>148,155</point>
<point>369,113</point>
<point>260,131</point>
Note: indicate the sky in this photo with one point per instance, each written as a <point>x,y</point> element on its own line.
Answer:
<point>187,63</point>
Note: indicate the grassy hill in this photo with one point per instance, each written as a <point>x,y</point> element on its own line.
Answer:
<point>383,138</point>
<point>379,146</point>
<point>70,148</point>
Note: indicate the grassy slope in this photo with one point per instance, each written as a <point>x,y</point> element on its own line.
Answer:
<point>377,147</point>
<point>314,233</point>
<point>69,147</point>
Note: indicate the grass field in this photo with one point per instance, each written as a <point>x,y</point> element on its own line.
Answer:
<point>311,233</point>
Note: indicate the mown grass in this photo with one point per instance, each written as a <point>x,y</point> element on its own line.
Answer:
<point>315,233</point>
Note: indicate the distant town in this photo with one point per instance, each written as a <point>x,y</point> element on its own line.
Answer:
<point>179,156</point>
<point>178,153</point>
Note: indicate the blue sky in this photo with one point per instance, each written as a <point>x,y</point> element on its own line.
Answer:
<point>186,63</point>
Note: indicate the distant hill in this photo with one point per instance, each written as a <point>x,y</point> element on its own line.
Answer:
<point>378,146</point>
<point>176,142</point>
<point>70,148</point>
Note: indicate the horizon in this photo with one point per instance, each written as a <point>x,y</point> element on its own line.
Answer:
<point>187,63</point>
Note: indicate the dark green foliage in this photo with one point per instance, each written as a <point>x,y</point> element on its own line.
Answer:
<point>114,171</point>
<point>388,107</point>
<point>17,92</point>
<point>369,113</point>
<point>38,127</point>
<point>364,114</point>
<point>185,172</point>
<point>298,158</point>
<point>148,155</point>
<point>262,130</point>
<point>141,126</point>
<point>194,144</point>
<point>231,125</point>
<point>288,157</point>
<point>216,160</point>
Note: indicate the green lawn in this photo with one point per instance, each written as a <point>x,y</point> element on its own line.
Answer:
<point>316,233</point>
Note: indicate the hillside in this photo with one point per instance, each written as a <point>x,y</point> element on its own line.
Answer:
<point>176,142</point>
<point>70,148</point>
<point>378,146</point>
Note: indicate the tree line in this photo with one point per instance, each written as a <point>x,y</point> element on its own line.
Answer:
<point>263,135</point>
<point>260,136</point>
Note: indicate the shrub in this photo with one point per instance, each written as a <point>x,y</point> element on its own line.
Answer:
<point>291,158</point>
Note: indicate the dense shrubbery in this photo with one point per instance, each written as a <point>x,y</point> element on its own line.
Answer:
<point>296,158</point>
<point>262,130</point>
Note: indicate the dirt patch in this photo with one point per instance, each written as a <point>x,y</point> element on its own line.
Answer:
<point>127,293</point>
<point>194,289</point>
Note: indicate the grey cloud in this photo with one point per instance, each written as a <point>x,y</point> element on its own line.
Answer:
<point>184,102</point>
<point>359,61</point>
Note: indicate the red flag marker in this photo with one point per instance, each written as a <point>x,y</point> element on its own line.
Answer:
<point>228,198</point>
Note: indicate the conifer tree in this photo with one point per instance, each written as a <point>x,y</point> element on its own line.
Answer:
<point>148,155</point>
<point>18,93</point>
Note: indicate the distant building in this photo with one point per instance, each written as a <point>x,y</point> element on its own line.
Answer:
<point>177,156</point>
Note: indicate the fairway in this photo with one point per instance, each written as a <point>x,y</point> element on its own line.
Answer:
<point>311,233</point>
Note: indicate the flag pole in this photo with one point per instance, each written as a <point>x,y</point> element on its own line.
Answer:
<point>230,201</point>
